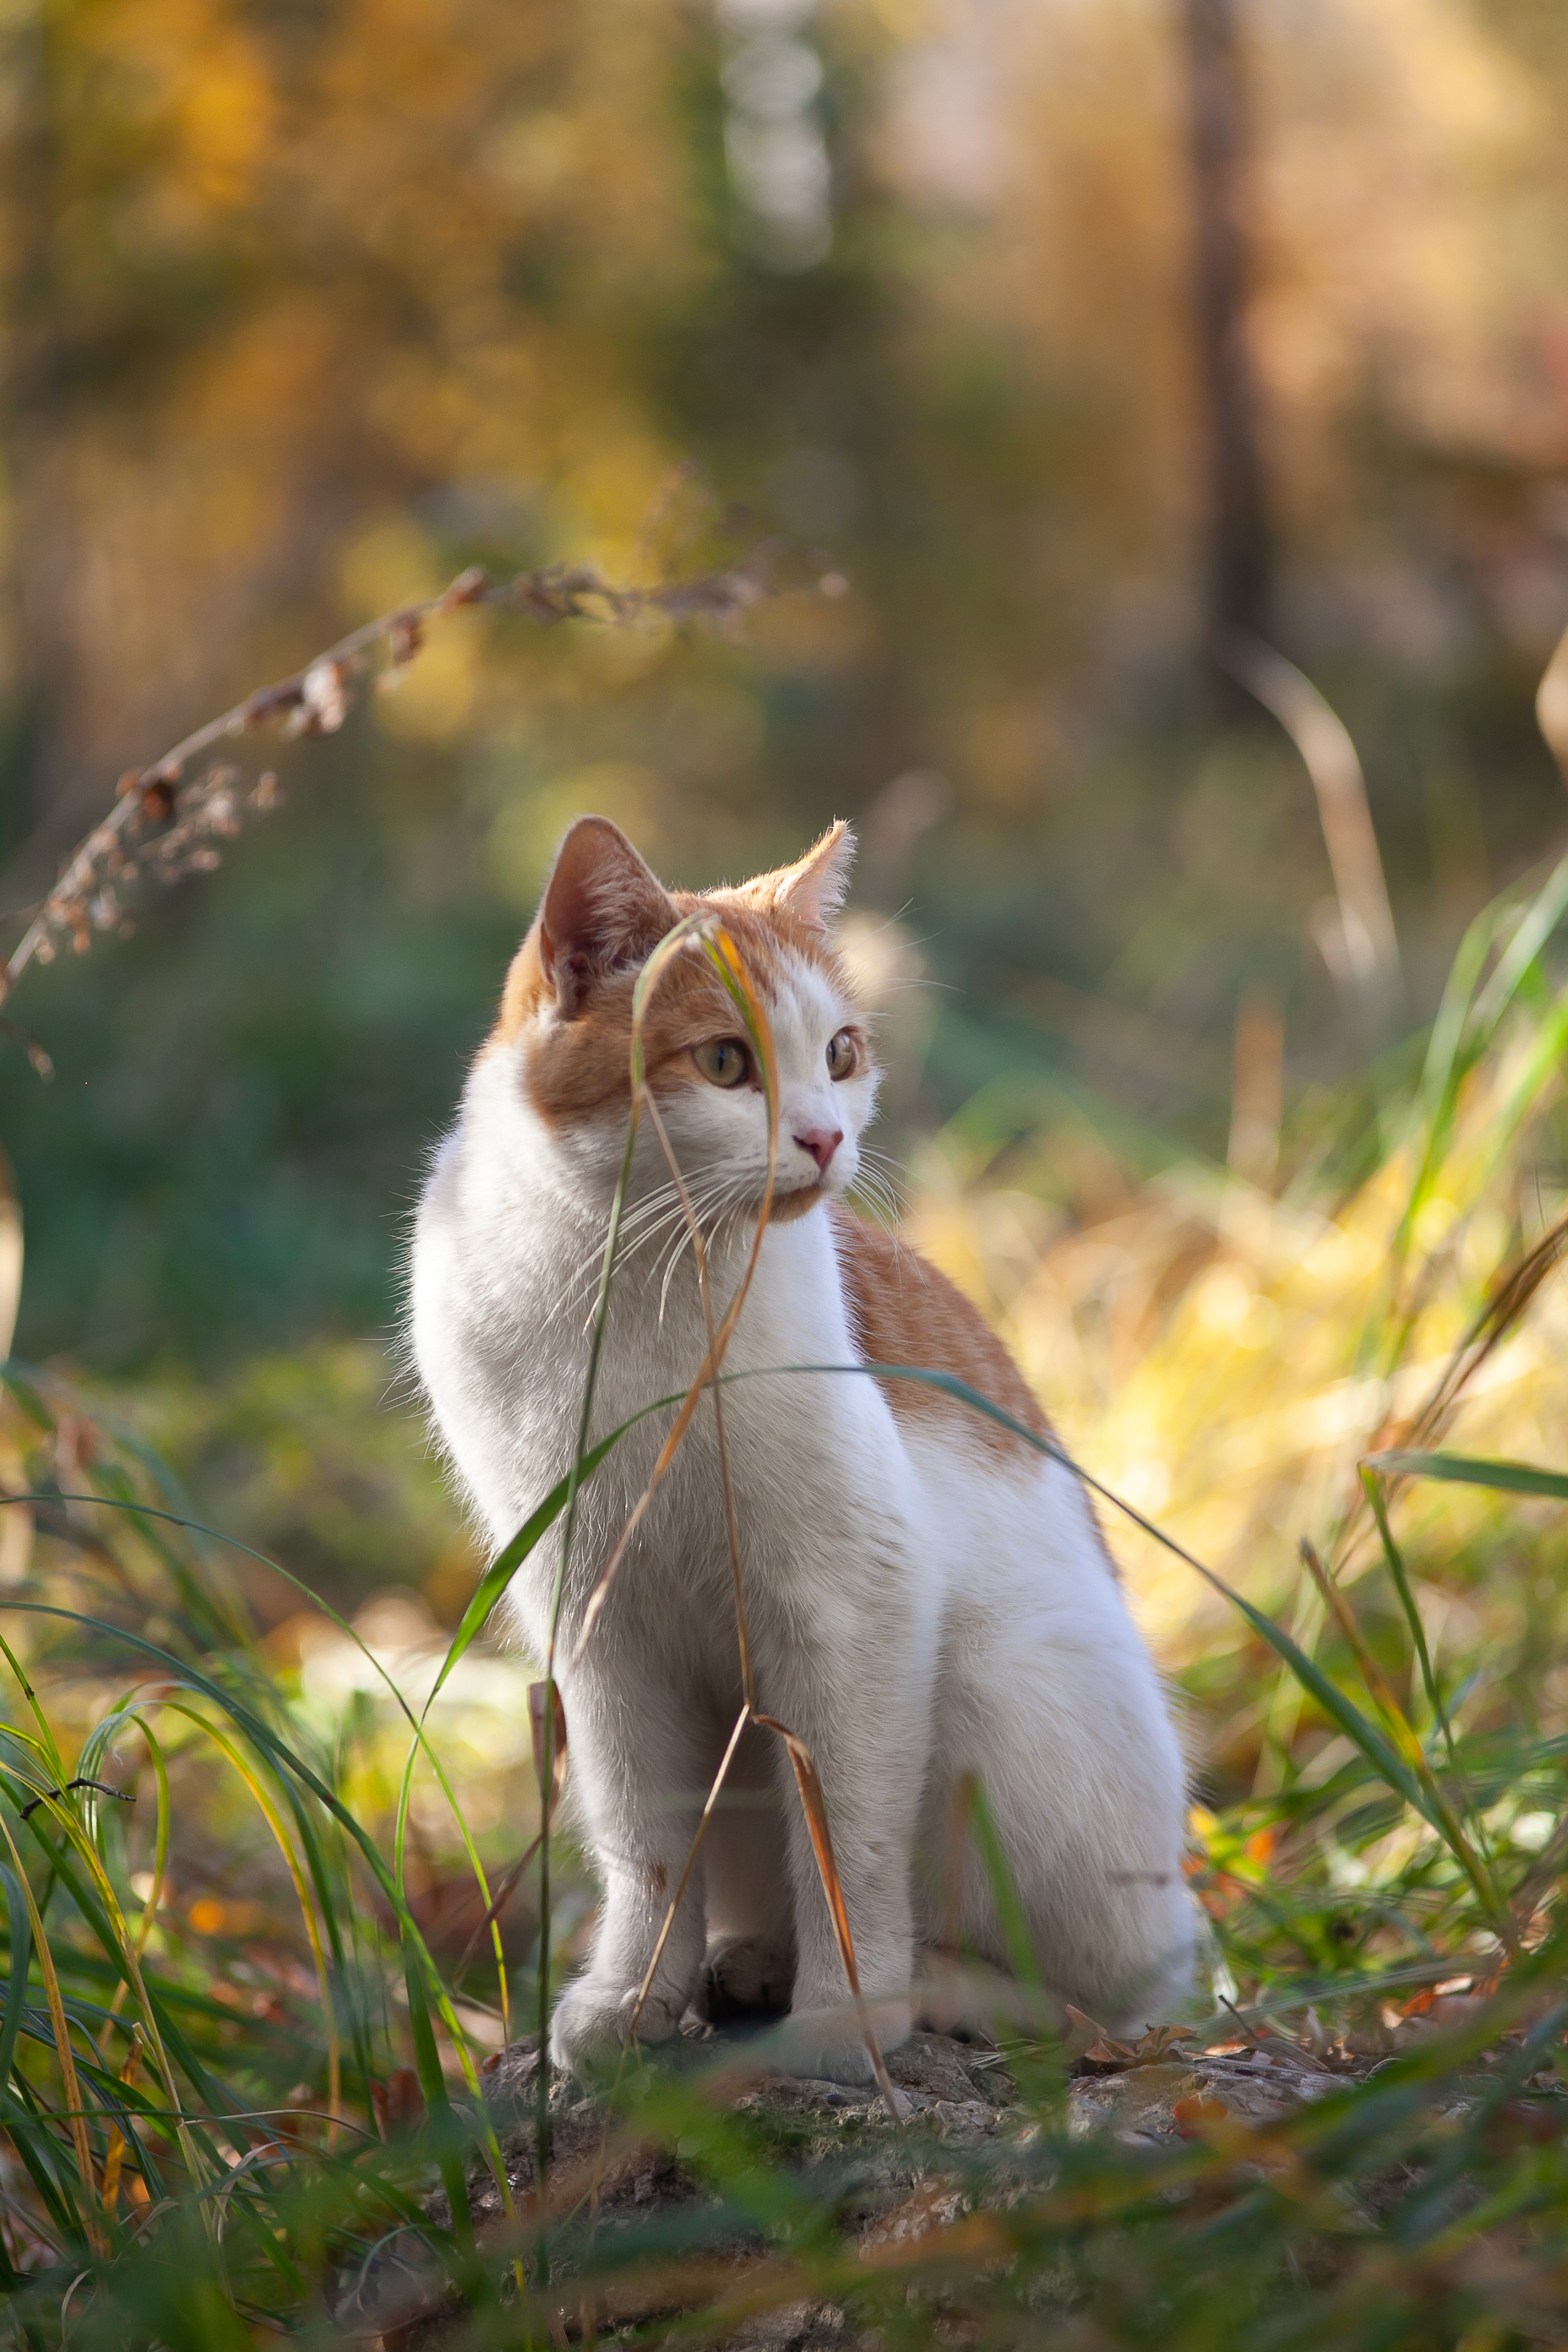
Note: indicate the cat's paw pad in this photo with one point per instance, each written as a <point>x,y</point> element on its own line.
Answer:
<point>593,2023</point>
<point>745,1977</point>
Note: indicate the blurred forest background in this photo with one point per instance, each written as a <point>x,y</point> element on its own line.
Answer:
<point>308,309</point>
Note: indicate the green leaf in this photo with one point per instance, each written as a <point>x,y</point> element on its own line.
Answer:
<point>505,1565</point>
<point>1471,1470</point>
<point>21,1958</point>
<point>1021,1956</point>
<point>433,2082</point>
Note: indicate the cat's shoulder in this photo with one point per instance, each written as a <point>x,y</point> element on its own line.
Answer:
<point>904,1310</point>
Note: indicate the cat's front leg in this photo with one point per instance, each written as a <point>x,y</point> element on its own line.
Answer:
<point>862,1705</point>
<point>634,1768</point>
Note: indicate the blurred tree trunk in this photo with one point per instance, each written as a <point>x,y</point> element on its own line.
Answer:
<point>1239,553</point>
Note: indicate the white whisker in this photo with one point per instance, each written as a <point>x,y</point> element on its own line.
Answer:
<point>736,1188</point>
<point>655,1230</point>
<point>646,1219</point>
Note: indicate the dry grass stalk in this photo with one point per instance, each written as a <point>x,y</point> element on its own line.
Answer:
<point>1508,1299</point>
<point>163,827</point>
<point>1370,949</point>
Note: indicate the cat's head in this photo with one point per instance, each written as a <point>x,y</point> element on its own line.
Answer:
<point>567,1019</point>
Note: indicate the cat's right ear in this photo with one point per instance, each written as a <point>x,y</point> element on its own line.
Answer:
<point>602,907</point>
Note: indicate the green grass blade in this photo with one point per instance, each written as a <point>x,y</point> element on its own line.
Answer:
<point>504,1567</point>
<point>1392,1554</point>
<point>1465,1027</point>
<point>1471,1470</point>
<point>1022,1957</point>
<point>43,2156</point>
<point>1537,922</point>
<point>433,2082</point>
<point>1470,1850</point>
<point>21,1937</point>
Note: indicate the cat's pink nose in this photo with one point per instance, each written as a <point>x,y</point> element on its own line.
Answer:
<point>822,1142</point>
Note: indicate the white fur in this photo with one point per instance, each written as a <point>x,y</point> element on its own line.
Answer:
<point>918,1607</point>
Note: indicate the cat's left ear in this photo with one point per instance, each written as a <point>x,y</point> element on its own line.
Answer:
<point>602,907</point>
<point>816,886</point>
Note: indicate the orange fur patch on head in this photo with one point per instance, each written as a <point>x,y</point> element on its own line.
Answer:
<point>571,983</point>
<point>902,1311</point>
<point>526,993</point>
<point>582,1066</point>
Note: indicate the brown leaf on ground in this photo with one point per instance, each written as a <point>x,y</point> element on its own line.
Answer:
<point>1106,2056</point>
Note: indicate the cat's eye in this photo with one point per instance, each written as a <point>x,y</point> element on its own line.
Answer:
<point>842,1054</point>
<point>723,1061</point>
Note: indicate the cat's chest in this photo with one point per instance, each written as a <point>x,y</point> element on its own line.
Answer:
<point>788,1418</point>
<point>793,1316</point>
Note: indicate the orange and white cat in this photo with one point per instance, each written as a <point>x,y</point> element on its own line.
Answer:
<point>927,1596</point>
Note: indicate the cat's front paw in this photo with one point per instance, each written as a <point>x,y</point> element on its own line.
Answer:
<point>593,2024</point>
<point>830,2045</point>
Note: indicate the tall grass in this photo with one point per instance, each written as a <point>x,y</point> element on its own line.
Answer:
<point>240,2056</point>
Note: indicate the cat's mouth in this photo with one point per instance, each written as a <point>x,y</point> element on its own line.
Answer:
<point>788,1205</point>
<point>789,1202</point>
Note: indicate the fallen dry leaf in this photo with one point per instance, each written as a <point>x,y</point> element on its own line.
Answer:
<point>1153,2047</point>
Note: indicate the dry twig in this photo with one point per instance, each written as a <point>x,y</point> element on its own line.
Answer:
<point>163,826</point>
